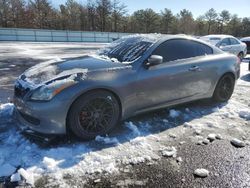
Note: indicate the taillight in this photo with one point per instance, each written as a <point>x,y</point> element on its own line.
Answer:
<point>238,60</point>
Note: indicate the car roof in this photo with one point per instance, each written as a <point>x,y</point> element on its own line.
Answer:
<point>218,36</point>
<point>160,38</point>
<point>245,39</point>
<point>155,37</point>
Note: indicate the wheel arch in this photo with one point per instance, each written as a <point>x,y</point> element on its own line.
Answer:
<point>226,73</point>
<point>118,98</point>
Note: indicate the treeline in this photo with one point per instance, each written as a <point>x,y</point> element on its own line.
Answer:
<point>112,15</point>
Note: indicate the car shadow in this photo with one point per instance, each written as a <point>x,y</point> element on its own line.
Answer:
<point>138,126</point>
<point>246,77</point>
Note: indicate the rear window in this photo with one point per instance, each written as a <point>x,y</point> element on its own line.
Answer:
<point>181,49</point>
<point>234,41</point>
<point>215,38</point>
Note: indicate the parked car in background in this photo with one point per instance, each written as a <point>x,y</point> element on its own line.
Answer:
<point>89,95</point>
<point>247,58</point>
<point>247,41</point>
<point>227,43</point>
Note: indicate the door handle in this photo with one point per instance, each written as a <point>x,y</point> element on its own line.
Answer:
<point>194,68</point>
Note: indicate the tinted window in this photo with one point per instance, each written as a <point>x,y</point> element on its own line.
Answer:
<point>181,49</point>
<point>234,41</point>
<point>225,42</point>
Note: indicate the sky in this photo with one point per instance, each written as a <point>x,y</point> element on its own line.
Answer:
<point>197,7</point>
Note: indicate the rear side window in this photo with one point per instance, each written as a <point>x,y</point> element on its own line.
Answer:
<point>234,41</point>
<point>181,49</point>
<point>225,42</point>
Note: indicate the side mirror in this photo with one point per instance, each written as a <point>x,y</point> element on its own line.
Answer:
<point>154,60</point>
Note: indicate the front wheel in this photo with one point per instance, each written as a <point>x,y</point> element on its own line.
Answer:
<point>93,114</point>
<point>224,88</point>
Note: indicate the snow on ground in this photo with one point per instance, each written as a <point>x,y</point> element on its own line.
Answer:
<point>136,141</point>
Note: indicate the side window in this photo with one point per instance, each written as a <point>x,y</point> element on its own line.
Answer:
<point>181,49</point>
<point>225,42</point>
<point>234,41</point>
<point>202,49</point>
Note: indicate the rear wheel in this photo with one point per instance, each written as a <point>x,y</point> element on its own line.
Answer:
<point>224,88</point>
<point>95,113</point>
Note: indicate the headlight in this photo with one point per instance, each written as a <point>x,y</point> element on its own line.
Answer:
<point>47,92</point>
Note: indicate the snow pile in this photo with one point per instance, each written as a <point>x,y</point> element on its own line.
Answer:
<point>6,109</point>
<point>237,143</point>
<point>245,114</point>
<point>133,128</point>
<point>76,159</point>
<point>201,172</point>
<point>174,113</point>
<point>107,140</point>
<point>169,152</point>
<point>15,177</point>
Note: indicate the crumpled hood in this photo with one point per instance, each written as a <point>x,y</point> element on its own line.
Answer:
<point>47,71</point>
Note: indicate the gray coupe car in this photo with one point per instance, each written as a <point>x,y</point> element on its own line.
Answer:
<point>89,95</point>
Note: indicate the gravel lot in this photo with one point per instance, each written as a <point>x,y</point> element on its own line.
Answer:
<point>139,152</point>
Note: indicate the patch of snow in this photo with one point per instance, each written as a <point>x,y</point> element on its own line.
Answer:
<point>133,128</point>
<point>6,170</point>
<point>211,137</point>
<point>179,159</point>
<point>245,114</point>
<point>50,164</point>
<point>201,172</point>
<point>15,177</point>
<point>6,109</point>
<point>197,131</point>
<point>107,140</point>
<point>218,136</point>
<point>27,176</point>
<point>182,142</point>
<point>169,152</point>
<point>174,113</point>
<point>172,135</point>
<point>136,160</point>
<point>186,124</point>
<point>237,143</point>
<point>205,141</point>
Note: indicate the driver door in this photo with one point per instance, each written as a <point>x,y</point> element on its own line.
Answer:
<point>180,77</point>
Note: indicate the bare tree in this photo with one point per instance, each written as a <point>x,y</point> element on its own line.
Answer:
<point>166,20</point>
<point>103,10</point>
<point>200,27</point>
<point>234,25</point>
<point>210,17</point>
<point>41,13</point>
<point>186,22</point>
<point>91,7</point>
<point>146,21</point>
<point>4,12</point>
<point>118,11</point>
<point>224,18</point>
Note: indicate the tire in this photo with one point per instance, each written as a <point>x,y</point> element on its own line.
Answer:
<point>224,88</point>
<point>95,113</point>
<point>241,56</point>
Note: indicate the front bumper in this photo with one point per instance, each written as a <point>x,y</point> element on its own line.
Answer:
<point>43,117</point>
